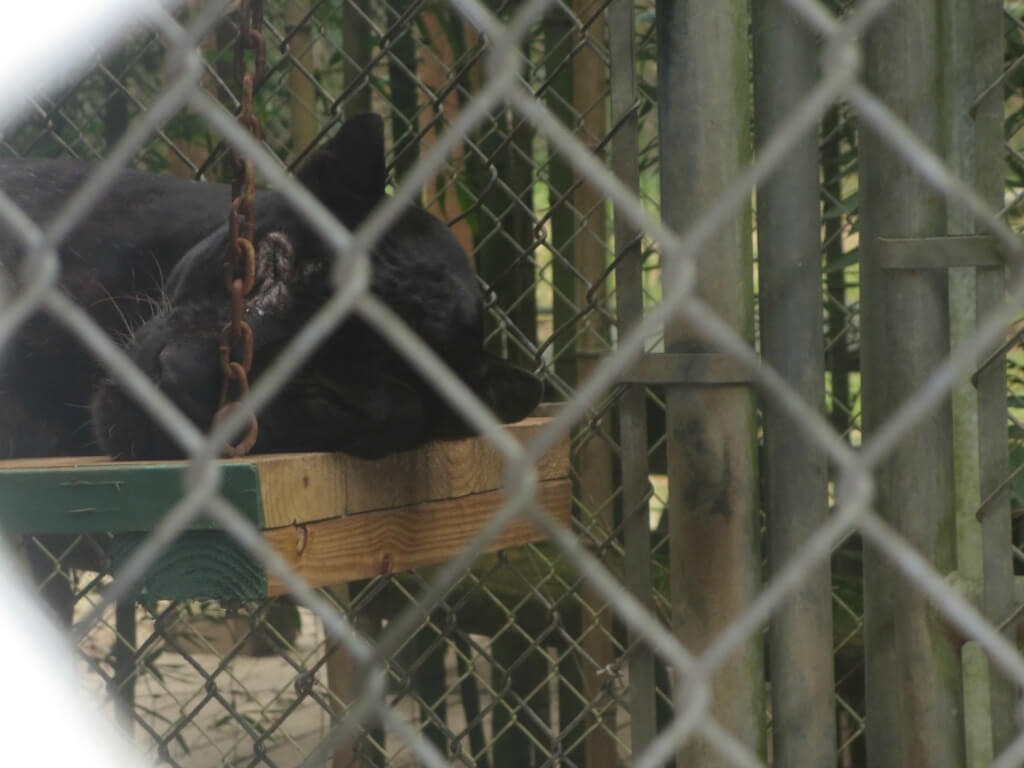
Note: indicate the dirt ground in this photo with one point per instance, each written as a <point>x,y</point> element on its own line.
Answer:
<point>254,695</point>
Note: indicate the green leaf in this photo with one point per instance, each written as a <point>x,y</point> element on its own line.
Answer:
<point>849,258</point>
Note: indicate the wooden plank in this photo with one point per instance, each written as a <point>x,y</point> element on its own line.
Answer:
<point>338,518</point>
<point>210,565</point>
<point>109,497</point>
<point>360,546</point>
<point>697,368</point>
<point>942,252</point>
<point>54,462</point>
<point>307,487</point>
<point>92,495</point>
<point>201,565</point>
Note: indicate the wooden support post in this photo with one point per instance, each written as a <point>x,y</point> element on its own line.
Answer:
<point>794,491</point>
<point>913,668</point>
<point>340,678</point>
<point>301,89</point>
<point>596,472</point>
<point>704,129</point>
<point>357,41</point>
<point>302,104</point>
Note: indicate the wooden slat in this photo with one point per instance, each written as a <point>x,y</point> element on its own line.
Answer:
<point>55,462</point>
<point>942,252</point>
<point>698,368</point>
<point>336,518</point>
<point>92,494</point>
<point>201,565</point>
<point>306,487</point>
<point>360,546</point>
<point>110,497</point>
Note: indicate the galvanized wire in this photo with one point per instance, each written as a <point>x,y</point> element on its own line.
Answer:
<point>507,89</point>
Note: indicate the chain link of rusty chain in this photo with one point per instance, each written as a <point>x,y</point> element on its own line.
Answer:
<point>240,254</point>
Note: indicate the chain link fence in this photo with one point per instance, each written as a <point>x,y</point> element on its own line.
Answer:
<point>594,159</point>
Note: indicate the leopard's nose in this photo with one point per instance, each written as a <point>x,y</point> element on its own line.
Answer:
<point>190,376</point>
<point>177,363</point>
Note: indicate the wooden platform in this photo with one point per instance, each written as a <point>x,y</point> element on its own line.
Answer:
<point>334,517</point>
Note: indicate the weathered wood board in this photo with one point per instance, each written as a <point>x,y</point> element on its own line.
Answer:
<point>333,517</point>
<point>390,540</point>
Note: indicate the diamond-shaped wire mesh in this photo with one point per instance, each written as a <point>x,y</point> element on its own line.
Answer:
<point>528,656</point>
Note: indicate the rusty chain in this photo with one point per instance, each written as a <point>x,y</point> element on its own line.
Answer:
<point>240,254</point>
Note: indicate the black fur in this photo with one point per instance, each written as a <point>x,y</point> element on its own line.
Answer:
<point>146,264</point>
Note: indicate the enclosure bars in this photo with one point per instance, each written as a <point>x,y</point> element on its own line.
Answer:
<point>909,650</point>
<point>999,416</point>
<point>795,485</point>
<point>715,561</point>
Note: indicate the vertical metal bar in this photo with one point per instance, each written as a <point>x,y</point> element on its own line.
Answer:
<point>703,124</point>
<point>993,447</point>
<point>913,676</point>
<point>125,645</point>
<point>474,733</point>
<point>795,471</point>
<point>632,409</point>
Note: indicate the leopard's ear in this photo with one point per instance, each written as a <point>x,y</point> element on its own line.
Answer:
<point>349,169</point>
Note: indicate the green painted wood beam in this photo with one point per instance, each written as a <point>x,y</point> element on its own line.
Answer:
<point>112,498</point>
<point>200,565</point>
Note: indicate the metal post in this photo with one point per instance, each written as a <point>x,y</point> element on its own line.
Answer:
<point>796,472</point>
<point>632,408</point>
<point>913,679</point>
<point>703,124</point>
<point>125,643</point>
